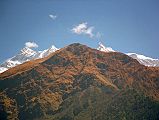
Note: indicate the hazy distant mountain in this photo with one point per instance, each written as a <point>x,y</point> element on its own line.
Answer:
<point>25,54</point>
<point>80,83</point>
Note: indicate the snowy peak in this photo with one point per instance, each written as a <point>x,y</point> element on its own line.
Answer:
<point>27,51</point>
<point>147,61</point>
<point>140,56</point>
<point>51,49</point>
<point>25,54</point>
<point>2,69</point>
<point>47,52</point>
<point>101,47</point>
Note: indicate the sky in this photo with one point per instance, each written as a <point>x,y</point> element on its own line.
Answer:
<point>125,25</point>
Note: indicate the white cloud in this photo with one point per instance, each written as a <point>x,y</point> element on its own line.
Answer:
<point>83,29</point>
<point>53,17</point>
<point>31,44</point>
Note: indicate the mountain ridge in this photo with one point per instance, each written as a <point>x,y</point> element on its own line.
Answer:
<point>78,82</point>
<point>147,61</point>
<point>27,54</point>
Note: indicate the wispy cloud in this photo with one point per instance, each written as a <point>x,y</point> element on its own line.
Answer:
<point>83,28</point>
<point>53,17</point>
<point>31,44</point>
<point>98,35</point>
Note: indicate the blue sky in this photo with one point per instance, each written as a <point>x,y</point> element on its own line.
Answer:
<point>125,25</point>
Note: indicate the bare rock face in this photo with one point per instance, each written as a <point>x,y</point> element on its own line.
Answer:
<point>80,83</point>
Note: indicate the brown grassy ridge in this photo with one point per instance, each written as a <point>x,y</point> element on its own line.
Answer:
<point>52,85</point>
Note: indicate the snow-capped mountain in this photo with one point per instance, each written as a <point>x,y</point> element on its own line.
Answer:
<point>147,61</point>
<point>25,54</point>
<point>46,52</point>
<point>101,47</point>
<point>2,69</point>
